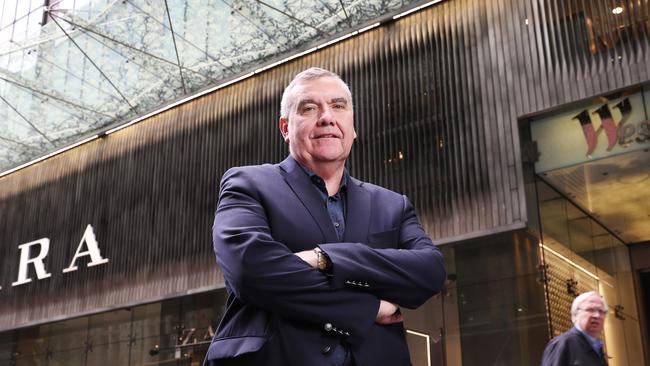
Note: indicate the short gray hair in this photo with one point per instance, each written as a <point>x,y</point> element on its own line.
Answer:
<point>581,298</point>
<point>309,74</point>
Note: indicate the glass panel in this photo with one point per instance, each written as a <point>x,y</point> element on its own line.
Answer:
<point>111,327</point>
<point>420,348</point>
<point>580,233</point>
<point>20,29</point>
<point>424,332</point>
<point>176,331</point>
<point>22,9</point>
<point>32,345</point>
<point>8,15</point>
<point>68,342</point>
<point>492,310</point>
<point>7,347</point>
<point>553,214</point>
<point>588,259</point>
<point>70,357</point>
<point>132,43</point>
<point>69,334</point>
<point>115,353</point>
<point>146,334</point>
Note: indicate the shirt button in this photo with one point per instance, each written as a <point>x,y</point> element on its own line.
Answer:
<point>325,349</point>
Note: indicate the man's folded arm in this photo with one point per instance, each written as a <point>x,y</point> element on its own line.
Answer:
<point>265,273</point>
<point>408,276</point>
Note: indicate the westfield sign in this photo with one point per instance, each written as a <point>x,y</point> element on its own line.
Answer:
<point>33,254</point>
<point>623,133</point>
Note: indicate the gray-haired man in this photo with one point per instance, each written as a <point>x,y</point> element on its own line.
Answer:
<point>580,345</point>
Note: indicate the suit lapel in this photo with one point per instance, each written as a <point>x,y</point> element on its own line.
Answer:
<point>358,212</point>
<point>306,193</point>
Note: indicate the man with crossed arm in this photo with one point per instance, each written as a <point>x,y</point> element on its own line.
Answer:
<point>316,262</point>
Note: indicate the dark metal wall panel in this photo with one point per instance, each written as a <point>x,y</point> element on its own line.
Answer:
<point>581,49</point>
<point>437,95</point>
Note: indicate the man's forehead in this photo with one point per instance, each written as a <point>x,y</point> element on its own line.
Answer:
<point>593,300</point>
<point>315,87</point>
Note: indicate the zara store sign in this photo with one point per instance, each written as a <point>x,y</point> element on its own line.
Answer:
<point>33,254</point>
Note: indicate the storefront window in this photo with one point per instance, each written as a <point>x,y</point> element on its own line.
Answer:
<point>581,255</point>
<point>590,172</point>
<point>491,311</point>
<point>171,332</point>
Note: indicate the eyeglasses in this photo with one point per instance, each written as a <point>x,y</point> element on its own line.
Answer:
<point>594,311</point>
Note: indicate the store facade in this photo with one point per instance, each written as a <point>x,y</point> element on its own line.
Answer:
<point>105,249</point>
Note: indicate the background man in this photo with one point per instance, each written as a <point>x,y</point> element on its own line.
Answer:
<point>316,262</point>
<point>581,345</point>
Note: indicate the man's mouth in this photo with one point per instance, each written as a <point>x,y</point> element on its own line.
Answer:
<point>326,136</point>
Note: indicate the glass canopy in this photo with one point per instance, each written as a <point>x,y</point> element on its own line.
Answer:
<point>70,68</point>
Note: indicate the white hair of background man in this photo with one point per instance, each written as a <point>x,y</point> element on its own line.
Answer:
<point>581,298</point>
<point>311,73</point>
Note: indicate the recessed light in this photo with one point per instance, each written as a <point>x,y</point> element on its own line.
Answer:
<point>617,10</point>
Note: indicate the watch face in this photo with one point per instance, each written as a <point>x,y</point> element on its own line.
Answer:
<point>321,260</point>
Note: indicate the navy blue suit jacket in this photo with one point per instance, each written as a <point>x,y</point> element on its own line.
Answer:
<point>571,348</point>
<point>280,310</point>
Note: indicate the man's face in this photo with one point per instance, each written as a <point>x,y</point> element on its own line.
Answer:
<point>320,126</point>
<point>591,316</point>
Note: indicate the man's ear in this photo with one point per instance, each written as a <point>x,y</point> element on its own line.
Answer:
<point>284,128</point>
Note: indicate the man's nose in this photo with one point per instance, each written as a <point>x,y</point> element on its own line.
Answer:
<point>326,117</point>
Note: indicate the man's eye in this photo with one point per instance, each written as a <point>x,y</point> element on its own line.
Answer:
<point>339,106</point>
<point>308,108</point>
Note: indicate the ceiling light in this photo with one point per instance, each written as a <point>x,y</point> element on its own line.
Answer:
<point>617,10</point>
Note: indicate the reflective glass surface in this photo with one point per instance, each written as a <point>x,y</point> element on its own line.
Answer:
<point>79,66</point>
<point>580,255</point>
<point>171,332</point>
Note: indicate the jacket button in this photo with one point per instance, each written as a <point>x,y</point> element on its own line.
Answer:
<point>325,349</point>
<point>328,327</point>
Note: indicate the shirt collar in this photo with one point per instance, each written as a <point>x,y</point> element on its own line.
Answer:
<point>315,178</point>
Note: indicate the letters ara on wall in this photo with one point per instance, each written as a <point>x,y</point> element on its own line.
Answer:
<point>88,246</point>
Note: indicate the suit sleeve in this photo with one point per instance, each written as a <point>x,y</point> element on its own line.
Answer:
<point>555,353</point>
<point>408,275</point>
<point>265,273</point>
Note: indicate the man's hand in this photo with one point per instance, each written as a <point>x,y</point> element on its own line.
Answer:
<point>308,256</point>
<point>388,313</point>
